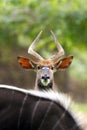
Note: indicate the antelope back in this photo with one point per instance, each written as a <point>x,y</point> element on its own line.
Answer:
<point>21,109</point>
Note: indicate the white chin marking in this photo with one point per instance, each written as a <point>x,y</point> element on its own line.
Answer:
<point>45,83</point>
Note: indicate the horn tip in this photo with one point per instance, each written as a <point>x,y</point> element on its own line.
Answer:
<point>51,31</point>
<point>41,31</point>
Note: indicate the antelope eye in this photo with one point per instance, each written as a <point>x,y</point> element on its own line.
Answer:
<point>38,67</point>
<point>52,68</point>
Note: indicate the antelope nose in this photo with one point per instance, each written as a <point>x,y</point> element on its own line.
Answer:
<point>45,77</point>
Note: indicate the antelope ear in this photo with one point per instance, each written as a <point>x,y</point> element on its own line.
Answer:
<point>25,63</point>
<point>64,63</point>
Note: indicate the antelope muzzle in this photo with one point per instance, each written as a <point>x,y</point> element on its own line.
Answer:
<point>45,78</point>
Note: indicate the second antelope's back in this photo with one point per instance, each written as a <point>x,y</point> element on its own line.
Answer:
<point>45,67</point>
<point>22,109</point>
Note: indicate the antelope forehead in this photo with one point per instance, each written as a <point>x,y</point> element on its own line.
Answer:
<point>45,63</point>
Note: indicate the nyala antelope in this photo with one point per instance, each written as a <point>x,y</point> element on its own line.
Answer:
<point>45,67</point>
<point>22,109</point>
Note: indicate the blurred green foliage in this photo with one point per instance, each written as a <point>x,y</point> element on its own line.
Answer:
<point>21,21</point>
<point>82,107</point>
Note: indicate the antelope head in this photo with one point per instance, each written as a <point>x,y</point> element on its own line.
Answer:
<point>45,68</point>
